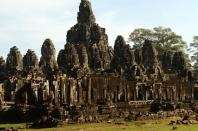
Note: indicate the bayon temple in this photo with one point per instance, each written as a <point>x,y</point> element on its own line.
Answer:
<point>90,72</point>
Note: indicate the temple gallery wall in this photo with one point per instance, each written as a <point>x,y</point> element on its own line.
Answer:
<point>90,72</point>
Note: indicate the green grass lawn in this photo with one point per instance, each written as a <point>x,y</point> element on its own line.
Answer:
<point>154,125</point>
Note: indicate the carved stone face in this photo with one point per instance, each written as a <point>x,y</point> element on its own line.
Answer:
<point>30,60</point>
<point>2,61</point>
<point>85,6</point>
<point>85,14</point>
<point>48,50</point>
<point>48,61</point>
<point>14,59</point>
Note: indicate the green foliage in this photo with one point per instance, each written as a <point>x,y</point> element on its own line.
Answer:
<point>167,38</point>
<point>163,38</point>
<point>193,50</point>
<point>138,36</point>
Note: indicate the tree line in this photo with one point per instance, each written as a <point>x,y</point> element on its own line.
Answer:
<point>165,39</point>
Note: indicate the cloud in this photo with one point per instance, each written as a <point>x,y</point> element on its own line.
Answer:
<point>109,20</point>
<point>26,23</point>
<point>36,4</point>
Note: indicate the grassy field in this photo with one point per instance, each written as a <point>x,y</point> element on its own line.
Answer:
<point>156,125</point>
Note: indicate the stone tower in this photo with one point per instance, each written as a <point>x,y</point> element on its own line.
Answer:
<point>14,60</point>
<point>30,61</point>
<point>2,64</point>
<point>123,58</point>
<point>48,62</point>
<point>88,43</point>
<point>85,14</point>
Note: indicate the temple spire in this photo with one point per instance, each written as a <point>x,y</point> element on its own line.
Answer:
<point>85,14</point>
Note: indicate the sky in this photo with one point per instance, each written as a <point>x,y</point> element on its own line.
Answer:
<point>27,23</point>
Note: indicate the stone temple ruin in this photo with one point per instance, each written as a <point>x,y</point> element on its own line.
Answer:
<point>89,73</point>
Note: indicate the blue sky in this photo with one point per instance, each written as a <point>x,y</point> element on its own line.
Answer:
<point>27,23</point>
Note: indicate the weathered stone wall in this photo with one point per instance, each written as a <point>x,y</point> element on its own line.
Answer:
<point>88,71</point>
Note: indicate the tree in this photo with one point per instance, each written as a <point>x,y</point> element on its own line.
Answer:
<point>166,39</point>
<point>163,38</point>
<point>138,36</point>
<point>194,52</point>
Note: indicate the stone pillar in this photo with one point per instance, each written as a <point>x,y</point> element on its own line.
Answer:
<point>61,91</point>
<point>67,90</point>
<point>71,97</point>
<point>116,94</point>
<point>136,92</point>
<point>126,92</point>
<point>105,93</point>
<point>160,92</point>
<point>64,92</point>
<point>46,84</point>
<point>35,90</point>
<point>75,92</point>
<point>12,96</point>
<point>1,93</point>
<point>192,93</point>
<point>80,92</point>
<point>89,91</point>
<point>183,91</point>
<point>56,92</point>
<point>167,93</point>
<point>146,94</point>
